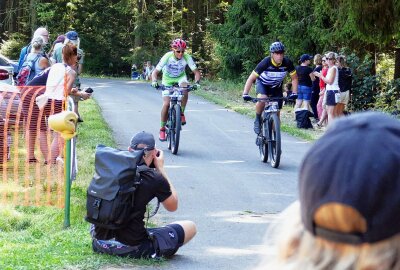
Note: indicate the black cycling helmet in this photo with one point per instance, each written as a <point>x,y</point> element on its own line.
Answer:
<point>277,47</point>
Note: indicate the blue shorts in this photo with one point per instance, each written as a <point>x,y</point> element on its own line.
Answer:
<point>269,91</point>
<point>304,92</point>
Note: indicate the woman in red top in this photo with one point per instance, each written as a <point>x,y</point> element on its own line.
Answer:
<point>322,115</point>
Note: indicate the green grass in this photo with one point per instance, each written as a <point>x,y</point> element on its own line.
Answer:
<point>229,95</point>
<point>34,238</point>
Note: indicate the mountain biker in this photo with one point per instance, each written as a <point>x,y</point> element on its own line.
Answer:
<point>269,75</point>
<point>173,65</point>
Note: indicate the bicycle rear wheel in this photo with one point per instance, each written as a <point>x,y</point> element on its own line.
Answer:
<point>176,115</point>
<point>261,141</point>
<point>274,141</point>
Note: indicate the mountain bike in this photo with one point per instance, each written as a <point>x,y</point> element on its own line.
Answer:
<point>269,139</point>
<point>174,125</point>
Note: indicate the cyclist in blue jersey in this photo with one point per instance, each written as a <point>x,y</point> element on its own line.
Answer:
<point>269,75</point>
<point>173,65</point>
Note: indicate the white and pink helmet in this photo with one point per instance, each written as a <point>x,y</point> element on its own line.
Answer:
<point>178,44</point>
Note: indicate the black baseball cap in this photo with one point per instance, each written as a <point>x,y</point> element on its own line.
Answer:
<point>145,138</point>
<point>356,163</point>
<point>305,57</point>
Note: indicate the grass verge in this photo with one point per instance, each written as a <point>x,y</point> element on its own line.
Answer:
<point>34,238</point>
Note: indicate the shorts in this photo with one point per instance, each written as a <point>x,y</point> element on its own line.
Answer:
<point>304,92</point>
<point>169,81</point>
<point>162,242</point>
<point>167,239</point>
<point>269,91</point>
<point>344,97</point>
<point>330,97</point>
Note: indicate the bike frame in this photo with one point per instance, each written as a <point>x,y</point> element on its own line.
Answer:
<point>173,128</point>
<point>269,140</point>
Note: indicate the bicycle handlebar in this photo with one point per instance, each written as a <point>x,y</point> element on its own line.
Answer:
<point>267,99</point>
<point>172,88</point>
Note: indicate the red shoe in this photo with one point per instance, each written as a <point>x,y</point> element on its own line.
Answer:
<point>183,119</point>
<point>162,136</point>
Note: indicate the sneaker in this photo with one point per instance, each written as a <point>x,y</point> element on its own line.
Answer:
<point>162,136</point>
<point>183,119</point>
<point>257,126</point>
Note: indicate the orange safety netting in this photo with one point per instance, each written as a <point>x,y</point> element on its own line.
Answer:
<point>31,155</point>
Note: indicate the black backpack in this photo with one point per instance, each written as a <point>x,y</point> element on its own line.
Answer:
<point>303,118</point>
<point>111,193</point>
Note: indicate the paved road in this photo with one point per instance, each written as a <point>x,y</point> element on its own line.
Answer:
<point>221,183</point>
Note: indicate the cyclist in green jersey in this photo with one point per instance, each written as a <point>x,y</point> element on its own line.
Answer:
<point>173,65</point>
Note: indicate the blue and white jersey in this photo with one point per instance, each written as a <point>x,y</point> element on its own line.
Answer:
<point>271,74</point>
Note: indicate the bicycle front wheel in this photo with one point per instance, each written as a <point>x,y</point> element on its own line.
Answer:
<point>262,142</point>
<point>176,115</point>
<point>274,141</point>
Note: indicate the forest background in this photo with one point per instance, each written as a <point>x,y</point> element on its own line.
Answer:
<point>226,38</point>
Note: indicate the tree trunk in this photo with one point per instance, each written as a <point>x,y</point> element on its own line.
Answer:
<point>32,12</point>
<point>396,63</point>
<point>139,21</point>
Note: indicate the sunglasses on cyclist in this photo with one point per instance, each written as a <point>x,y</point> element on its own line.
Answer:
<point>279,52</point>
<point>179,51</point>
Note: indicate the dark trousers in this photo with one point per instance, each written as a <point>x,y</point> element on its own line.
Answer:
<point>314,101</point>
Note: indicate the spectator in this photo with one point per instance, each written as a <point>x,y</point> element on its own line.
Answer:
<point>56,44</point>
<point>41,62</point>
<point>332,85</point>
<point>322,115</point>
<point>315,87</point>
<point>345,80</point>
<point>305,76</point>
<point>55,90</point>
<point>134,240</point>
<point>42,32</point>
<point>347,217</point>
<point>72,37</point>
<point>149,70</point>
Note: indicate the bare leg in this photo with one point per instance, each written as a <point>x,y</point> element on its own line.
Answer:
<point>43,144</point>
<point>189,228</point>
<point>31,139</point>
<point>299,102</point>
<point>331,113</point>
<point>164,110</point>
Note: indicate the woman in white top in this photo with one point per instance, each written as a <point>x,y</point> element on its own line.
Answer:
<point>332,84</point>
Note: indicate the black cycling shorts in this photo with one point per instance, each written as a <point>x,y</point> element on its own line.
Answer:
<point>269,91</point>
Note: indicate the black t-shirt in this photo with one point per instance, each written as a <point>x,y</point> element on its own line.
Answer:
<point>153,185</point>
<point>315,83</point>
<point>271,74</point>
<point>345,79</point>
<point>303,73</point>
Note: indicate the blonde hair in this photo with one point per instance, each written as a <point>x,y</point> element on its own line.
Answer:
<point>296,248</point>
<point>317,59</point>
<point>331,55</point>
